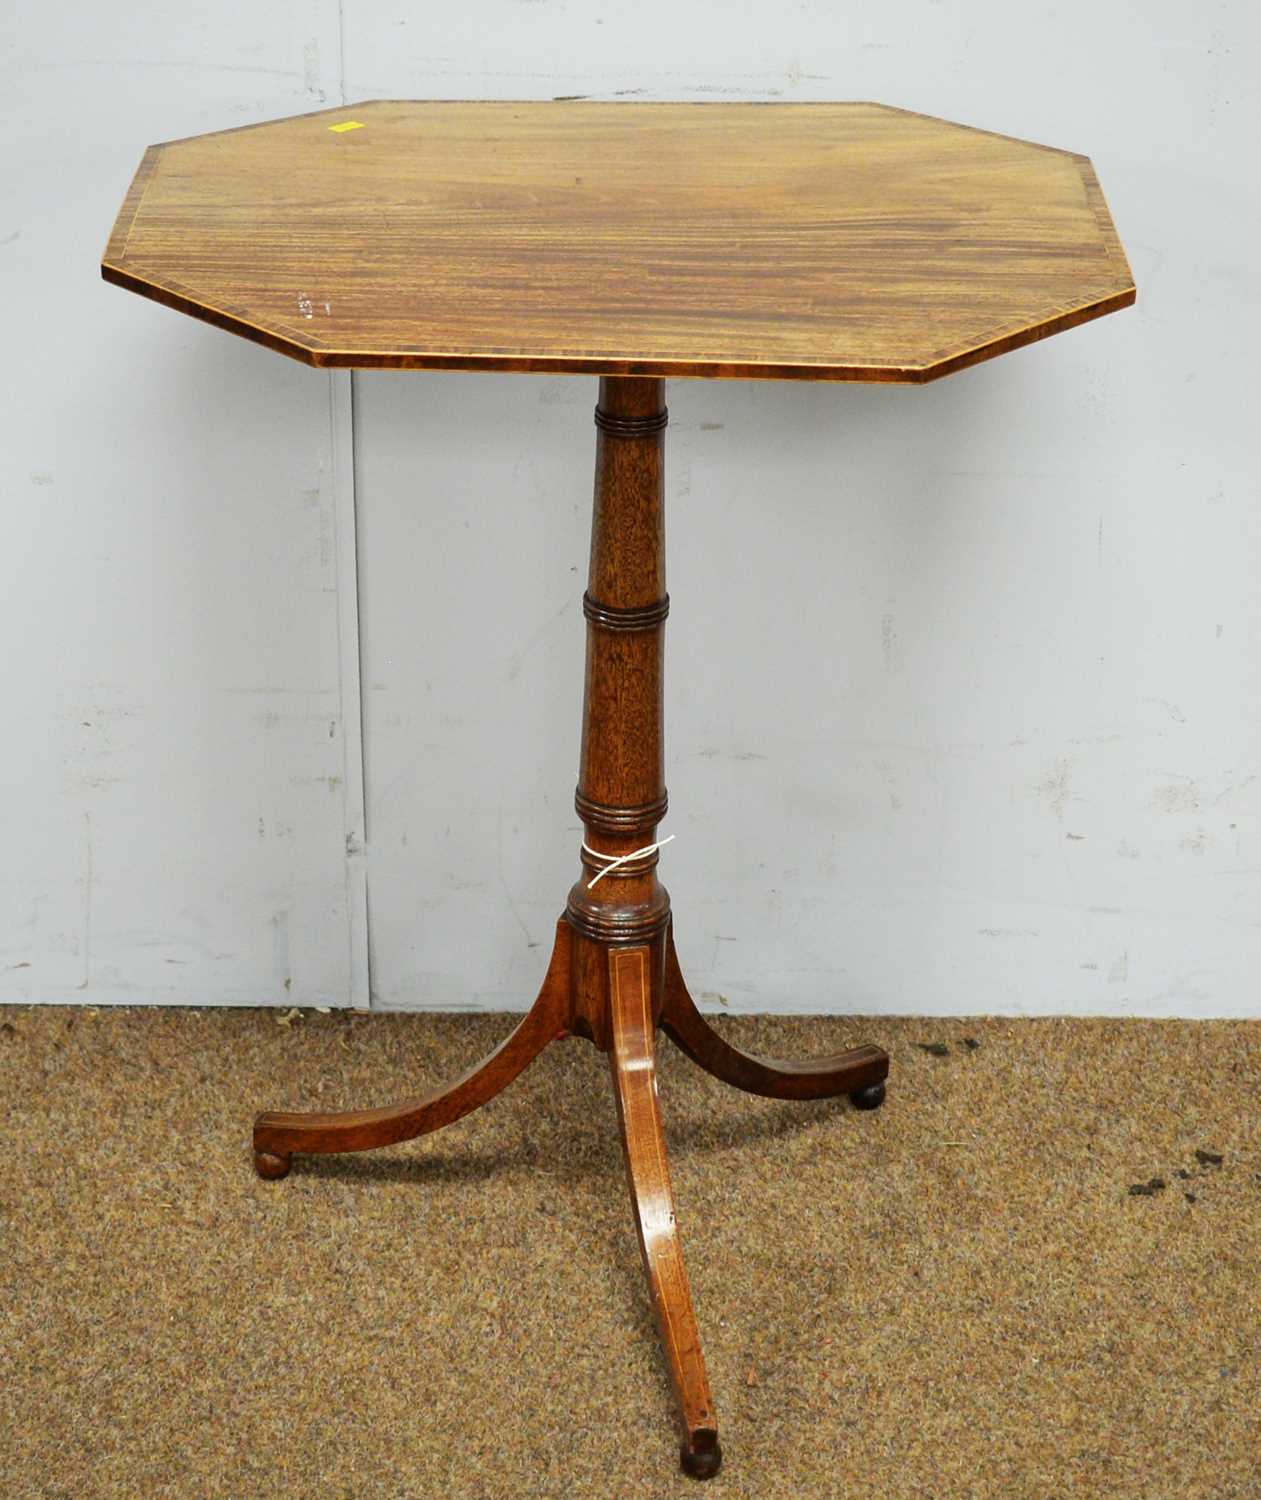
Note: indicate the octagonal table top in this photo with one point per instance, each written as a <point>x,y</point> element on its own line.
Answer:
<point>808,241</point>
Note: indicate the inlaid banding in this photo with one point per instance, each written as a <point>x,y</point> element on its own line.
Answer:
<point>620,820</point>
<point>633,617</point>
<point>631,427</point>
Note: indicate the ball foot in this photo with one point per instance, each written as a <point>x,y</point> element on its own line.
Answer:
<point>871,1097</point>
<point>701,1462</point>
<point>272,1165</point>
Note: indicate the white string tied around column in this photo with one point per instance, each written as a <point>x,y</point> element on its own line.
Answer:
<point>622,859</point>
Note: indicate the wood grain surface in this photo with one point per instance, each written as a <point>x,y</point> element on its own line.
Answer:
<point>279,1133</point>
<point>816,241</point>
<point>632,1061</point>
<point>849,1072</point>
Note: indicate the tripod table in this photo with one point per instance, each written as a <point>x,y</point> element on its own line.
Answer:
<point>632,242</point>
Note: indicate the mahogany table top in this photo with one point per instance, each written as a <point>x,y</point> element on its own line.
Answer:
<point>809,241</point>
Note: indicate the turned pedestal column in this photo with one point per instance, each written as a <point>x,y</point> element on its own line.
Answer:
<point>614,977</point>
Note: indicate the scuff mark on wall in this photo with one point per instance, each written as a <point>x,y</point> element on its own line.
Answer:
<point>503,879</point>
<point>890,644</point>
<point>1056,787</point>
<point>280,948</point>
<point>517,660</point>
<point>1235,786</point>
<point>89,881</point>
<point>1177,796</point>
<point>1174,712</point>
<point>311,72</point>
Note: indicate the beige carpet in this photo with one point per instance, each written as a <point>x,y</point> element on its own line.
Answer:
<point>960,1295</point>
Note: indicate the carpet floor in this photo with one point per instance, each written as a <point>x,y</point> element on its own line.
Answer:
<point>1036,1272</point>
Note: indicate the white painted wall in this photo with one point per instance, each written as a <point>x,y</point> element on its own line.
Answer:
<point>962,684</point>
<point>179,741</point>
